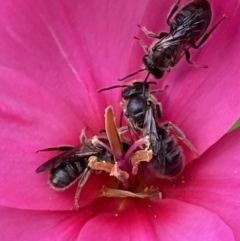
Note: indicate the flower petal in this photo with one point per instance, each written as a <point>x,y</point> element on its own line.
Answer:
<point>213,182</point>
<point>33,118</point>
<point>38,225</point>
<point>76,47</point>
<point>164,220</point>
<point>202,102</point>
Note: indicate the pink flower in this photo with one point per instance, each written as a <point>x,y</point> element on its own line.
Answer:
<point>55,55</point>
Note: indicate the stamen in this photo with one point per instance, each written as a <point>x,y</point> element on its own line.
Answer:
<point>113,169</point>
<point>95,164</point>
<point>136,144</point>
<point>112,132</point>
<point>138,157</point>
<point>119,174</point>
<point>152,193</point>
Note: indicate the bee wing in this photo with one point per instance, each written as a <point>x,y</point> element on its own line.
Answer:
<point>182,34</point>
<point>187,29</point>
<point>72,155</point>
<point>189,24</point>
<point>168,41</point>
<point>150,129</point>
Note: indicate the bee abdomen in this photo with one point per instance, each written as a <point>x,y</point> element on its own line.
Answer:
<point>63,176</point>
<point>174,162</point>
<point>173,157</point>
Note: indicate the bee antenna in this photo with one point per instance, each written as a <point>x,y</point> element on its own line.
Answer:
<point>145,83</point>
<point>121,79</point>
<point>102,131</point>
<point>112,87</point>
<point>147,77</point>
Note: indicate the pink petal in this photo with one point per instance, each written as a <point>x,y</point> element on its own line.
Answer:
<point>202,102</point>
<point>76,47</point>
<point>164,220</point>
<point>38,225</point>
<point>33,118</point>
<point>213,182</point>
<point>52,63</point>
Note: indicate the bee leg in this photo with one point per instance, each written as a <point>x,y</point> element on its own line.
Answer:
<point>174,9</point>
<point>133,132</point>
<point>162,34</point>
<point>151,34</point>
<point>144,46</point>
<point>121,119</point>
<point>130,129</point>
<point>83,136</point>
<point>147,32</point>
<point>159,90</point>
<point>123,129</point>
<point>81,183</point>
<point>206,36</point>
<point>56,148</point>
<point>188,56</point>
<point>180,135</point>
<point>159,110</point>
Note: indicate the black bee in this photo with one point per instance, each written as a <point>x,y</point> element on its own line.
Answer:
<point>72,165</point>
<point>187,27</point>
<point>168,158</point>
<point>142,112</point>
<point>137,105</point>
<point>141,109</point>
<point>137,100</point>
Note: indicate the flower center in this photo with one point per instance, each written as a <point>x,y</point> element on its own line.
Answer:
<point>126,163</point>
